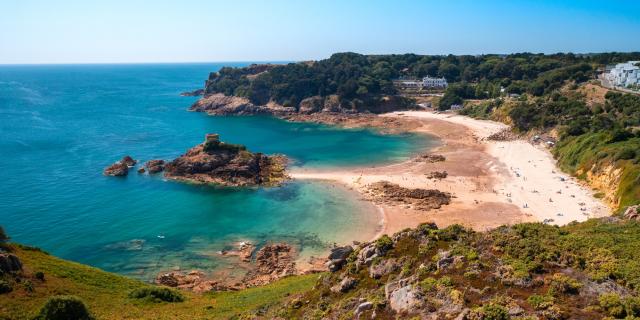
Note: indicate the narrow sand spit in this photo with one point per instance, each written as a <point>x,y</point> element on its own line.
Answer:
<point>494,183</point>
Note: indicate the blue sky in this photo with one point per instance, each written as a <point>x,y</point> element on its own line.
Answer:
<point>75,31</point>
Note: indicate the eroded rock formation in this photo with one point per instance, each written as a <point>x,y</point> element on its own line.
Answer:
<point>120,168</point>
<point>421,199</point>
<point>216,162</point>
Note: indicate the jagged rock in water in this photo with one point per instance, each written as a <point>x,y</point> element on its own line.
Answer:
<point>194,93</point>
<point>130,162</point>
<point>120,168</point>
<point>9,263</point>
<point>216,162</point>
<point>116,170</point>
<point>154,166</point>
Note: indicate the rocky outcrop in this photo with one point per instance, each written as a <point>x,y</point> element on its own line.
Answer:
<point>244,251</point>
<point>602,178</point>
<point>311,105</point>
<point>437,175</point>
<point>194,280</point>
<point>421,199</point>
<point>216,162</point>
<point>120,168</point>
<point>345,285</point>
<point>338,257</point>
<point>9,263</point>
<point>632,213</point>
<point>503,135</point>
<point>154,166</point>
<point>219,104</point>
<point>384,267</point>
<point>430,158</point>
<point>273,262</point>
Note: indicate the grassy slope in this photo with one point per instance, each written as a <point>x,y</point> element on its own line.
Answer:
<point>599,250</point>
<point>106,293</point>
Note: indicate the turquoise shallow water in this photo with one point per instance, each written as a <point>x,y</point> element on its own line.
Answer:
<point>61,125</point>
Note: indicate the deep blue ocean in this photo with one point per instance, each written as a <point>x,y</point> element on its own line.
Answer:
<point>60,125</point>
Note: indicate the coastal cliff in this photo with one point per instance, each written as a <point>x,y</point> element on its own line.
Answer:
<point>216,162</point>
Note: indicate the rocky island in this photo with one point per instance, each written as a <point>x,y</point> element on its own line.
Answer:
<point>220,163</point>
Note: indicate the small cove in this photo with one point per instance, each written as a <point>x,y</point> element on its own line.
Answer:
<point>61,125</point>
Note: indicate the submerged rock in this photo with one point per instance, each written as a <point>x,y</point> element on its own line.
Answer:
<point>216,162</point>
<point>273,262</point>
<point>193,93</point>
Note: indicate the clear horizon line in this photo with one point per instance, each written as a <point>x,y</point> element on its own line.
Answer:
<point>299,60</point>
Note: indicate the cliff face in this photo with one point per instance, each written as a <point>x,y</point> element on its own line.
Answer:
<point>216,162</point>
<point>219,104</point>
<point>606,180</point>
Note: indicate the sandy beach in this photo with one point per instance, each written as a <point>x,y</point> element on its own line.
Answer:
<point>492,182</point>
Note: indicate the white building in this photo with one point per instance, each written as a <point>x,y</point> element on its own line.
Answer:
<point>624,74</point>
<point>429,82</point>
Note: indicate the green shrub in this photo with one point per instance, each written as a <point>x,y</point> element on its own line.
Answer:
<point>625,154</point>
<point>28,286</point>
<point>5,287</point>
<point>494,312</point>
<point>64,308</point>
<point>618,307</point>
<point>539,302</point>
<point>561,284</point>
<point>428,284</point>
<point>157,294</point>
<point>40,275</point>
<point>612,305</point>
<point>384,243</point>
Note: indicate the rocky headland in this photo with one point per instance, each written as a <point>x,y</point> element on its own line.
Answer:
<point>220,163</point>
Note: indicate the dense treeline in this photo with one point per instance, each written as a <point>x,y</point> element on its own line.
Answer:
<point>355,77</point>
